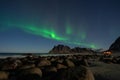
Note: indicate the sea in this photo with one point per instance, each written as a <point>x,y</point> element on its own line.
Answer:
<point>5,55</point>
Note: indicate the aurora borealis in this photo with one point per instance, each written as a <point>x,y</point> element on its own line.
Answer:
<point>38,25</point>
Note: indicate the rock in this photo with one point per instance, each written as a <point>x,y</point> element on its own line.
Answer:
<point>50,69</point>
<point>4,75</point>
<point>43,63</point>
<point>89,75</point>
<point>49,72</point>
<point>118,61</point>
<point>60,60</point>
<point>115,46</point>
<point>53,59</point>
<point>9,65</point>
<point>27,66</point>
<point>84,62</point>
<point>77,73</point>
<point>68,63</point>
<point>30,74</point>
<point>61,66</point>
<point>18,62</point>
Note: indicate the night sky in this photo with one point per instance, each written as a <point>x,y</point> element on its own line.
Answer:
<point>37,25</point>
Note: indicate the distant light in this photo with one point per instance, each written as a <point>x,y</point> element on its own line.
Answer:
<point>108,53</point>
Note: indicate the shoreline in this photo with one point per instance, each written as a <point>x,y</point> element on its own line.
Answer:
<point>101,68</point>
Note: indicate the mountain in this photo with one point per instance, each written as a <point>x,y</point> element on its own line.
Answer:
<point>115,45</point>
<point>66,49</point>
<point>81,50</point>
<point>60,49</point>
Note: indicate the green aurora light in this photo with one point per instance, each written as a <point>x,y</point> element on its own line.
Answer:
<point>50,33</point>
<point>68,29</point>
<point>47,33</point>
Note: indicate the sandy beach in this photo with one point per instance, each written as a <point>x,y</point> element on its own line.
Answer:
<point>104,71</point>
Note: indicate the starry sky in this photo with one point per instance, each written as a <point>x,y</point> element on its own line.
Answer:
<point>37,25</point>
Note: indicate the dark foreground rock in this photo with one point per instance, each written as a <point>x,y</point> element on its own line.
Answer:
<point>76,73</point>
<point>29,74</point>
<point>45,68</point>
<point>4,75</point>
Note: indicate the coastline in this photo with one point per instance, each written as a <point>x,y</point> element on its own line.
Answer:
<point>100,69</point>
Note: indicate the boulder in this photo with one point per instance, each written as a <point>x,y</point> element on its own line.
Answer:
<point>43,63</point>
<point>61,66</point>
<point>4,75</point>
<point>50,69</point>
<point>29,74</point>
<point>27,66</point>
<point>9,66</point>
<point>76,73</point>
<point>68,63</point>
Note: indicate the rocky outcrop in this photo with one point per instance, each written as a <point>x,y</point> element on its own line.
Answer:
<point>66,49</point>
<point>115,46</point>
